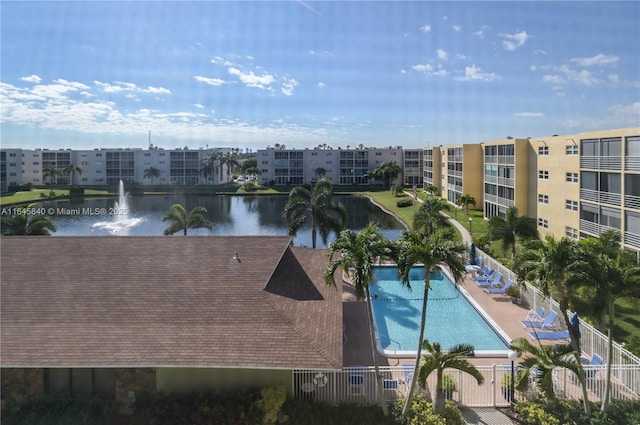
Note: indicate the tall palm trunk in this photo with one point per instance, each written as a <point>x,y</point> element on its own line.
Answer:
<point>385,409</point>
<point>423,320</point>
<point>314,236</point>
<point>607,382</point>
<point>564,305</point>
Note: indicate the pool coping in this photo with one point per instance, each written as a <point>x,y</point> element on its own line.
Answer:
<point>483,313</point>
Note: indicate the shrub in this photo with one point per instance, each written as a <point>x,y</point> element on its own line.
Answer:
<point>404,203</point>
<point>421,413</point>
<point>270,404</point>
<point>46,412</point>
<point>531,414</point>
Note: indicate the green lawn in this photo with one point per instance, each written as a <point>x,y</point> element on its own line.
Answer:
<point>36,195</point>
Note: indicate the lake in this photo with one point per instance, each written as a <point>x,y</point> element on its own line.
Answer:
<point>230,215</point>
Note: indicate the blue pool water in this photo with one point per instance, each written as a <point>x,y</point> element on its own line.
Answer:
<point>451,318</point>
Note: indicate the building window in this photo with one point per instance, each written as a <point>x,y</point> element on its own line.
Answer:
<point>572,149</point>
<point>36,163</point>
<point>543,199</point>
<point>543,175</point>
<point>572,177</point>
<point>571,205</point>
<point>543,150</point>
<point>543,223</point>
<point>147,154</point>
<point>571,232</point>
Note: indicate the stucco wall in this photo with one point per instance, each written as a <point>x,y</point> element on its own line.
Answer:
<point>180,380</point>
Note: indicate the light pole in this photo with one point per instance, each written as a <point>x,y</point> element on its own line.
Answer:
<point>470,221</point>
<point>512,355</point>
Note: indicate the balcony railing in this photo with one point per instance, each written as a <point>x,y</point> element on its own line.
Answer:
<point>632,163</point>
<point>589,195</point>
<point>506,159</point>
<point>611,198</point>
<point>491,159</point>
<point>506,182</point>
<point>632,239</point>
<point>589,227</point>
<point>601,162</point>
<point>631,201</point>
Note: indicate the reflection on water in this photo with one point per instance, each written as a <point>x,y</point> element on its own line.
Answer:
<point>230,215</point>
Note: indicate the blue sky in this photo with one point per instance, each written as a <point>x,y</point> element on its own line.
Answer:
<point>252,74</point>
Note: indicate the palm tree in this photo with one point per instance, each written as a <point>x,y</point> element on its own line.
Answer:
<point>71,169</point>
<point>150,173</point>
<point>181,220</point>
<point>428,250</point>
<point>438,361</point>
<point>431,189</point>
<point>429,216</point>
<point>558,268</point>
<point>27,224</point>
<point>357,254</point>
<point>230,160</point>
<point>506,229</point>
<point>326,214</point>
<point>388,171</point>
<point>52,172</point>
<point>615,274</point>
<point>540,363</point>
<point>209,165</point>
<point>321,172</point>
<point>465,200</point>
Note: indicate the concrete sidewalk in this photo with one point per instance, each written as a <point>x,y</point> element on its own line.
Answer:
<point>485,416</point>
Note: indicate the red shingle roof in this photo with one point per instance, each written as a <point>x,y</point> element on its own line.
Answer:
<point>166,301</point>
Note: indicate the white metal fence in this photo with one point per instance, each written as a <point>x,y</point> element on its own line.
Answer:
<point>358,385</point>
<point>625,365</point>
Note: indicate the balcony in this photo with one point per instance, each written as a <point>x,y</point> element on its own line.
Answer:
<point>506,159</point>
<point>601,162</point>
<point>602,197</point>
<point>506,182</point>
<point>632,163</point>
<point>631,201</point>
<point>632,239</point>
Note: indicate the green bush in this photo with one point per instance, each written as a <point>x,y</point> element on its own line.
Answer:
<point>316,413</point>
<point>47,412</point>
<point>404,203</point>
<point>270,404</point>
<point>565,411</point>
<point>421,413</point>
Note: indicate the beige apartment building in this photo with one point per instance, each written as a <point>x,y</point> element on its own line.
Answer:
<point>576,185</point>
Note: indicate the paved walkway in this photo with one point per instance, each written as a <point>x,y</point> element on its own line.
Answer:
<point>485,416</point>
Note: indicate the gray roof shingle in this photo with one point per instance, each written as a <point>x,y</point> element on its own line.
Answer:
<point>166,301</point>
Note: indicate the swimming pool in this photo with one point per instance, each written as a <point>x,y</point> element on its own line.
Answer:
<point>452,316</point>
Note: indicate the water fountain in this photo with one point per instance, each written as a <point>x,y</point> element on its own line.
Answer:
<point>121,222</point>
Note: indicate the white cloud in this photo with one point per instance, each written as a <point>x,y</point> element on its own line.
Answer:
<point>529,114</point>
<point>474,73</point>
<point>32,79</point>
<point>121,86</point>
<point>425,28</point>
<point>457,28</point>
<point>252,80</point>
<point>442,55</point>
<point>322,85</point>
<point>564,74</point>
<point>553,79</point>
<point>513,41</point>
<point>461,57</point>
<point>480,32</point>
<point>210,81</point>
<point>597,60</point>
<point>156,90</point>
<point>540,52</point>
<point>632,111</point>
<point>288,85</point>
<point>199,105</point>
<point>423,67</point>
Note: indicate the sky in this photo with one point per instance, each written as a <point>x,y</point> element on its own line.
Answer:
<point>85,74</point>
